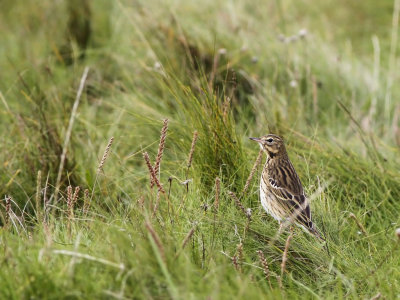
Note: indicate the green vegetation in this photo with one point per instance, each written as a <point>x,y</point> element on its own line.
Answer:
<point>228,70</point>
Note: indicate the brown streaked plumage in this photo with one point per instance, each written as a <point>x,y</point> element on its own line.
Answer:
<point>281,191</point>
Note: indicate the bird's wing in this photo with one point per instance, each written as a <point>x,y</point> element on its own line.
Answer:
<point>285,184</point>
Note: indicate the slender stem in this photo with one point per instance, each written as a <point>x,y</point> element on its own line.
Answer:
<point>69,131</point>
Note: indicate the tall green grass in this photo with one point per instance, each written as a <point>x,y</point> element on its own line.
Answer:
<point>228,70</point>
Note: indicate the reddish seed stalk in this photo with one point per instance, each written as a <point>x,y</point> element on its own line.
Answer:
<point>69,196</point>
<point>194,141</point>
<point>72,198</point>
<point>235,262</point>
<point>239,250</point>
<point>253,170</point>
<point>152,173</point>
<point>8,209</point>
<point>217,192</point>
<point>156,240</point>
<point>38,191</point>
<point>161,147</point>
<point>225,107</point>
<point>47,231</point>
<point>105,154</point>
<point>285,254</point>
<point>264,265</point>
<point>245,211</point>
<point>86,199</point>
<point>71,201</point>
<point>185,241</point>
<point>140,202</point>
<point>75,196</point>
<point>187,238</point>
<point>353,216</point>
<point>45,200</point>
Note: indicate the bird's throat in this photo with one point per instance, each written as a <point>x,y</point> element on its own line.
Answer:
<point>279,154</point>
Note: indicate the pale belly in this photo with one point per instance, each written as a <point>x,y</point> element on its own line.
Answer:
<point>266,200</point>
<point>277,212</point>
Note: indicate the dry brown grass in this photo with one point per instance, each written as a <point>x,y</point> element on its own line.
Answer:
<point>156,239</point>
<point>152,172</point>
<point>239,205</point>
<point>161,148</point>
<point>194,141</point>
<point>285,255</point>
<point>105,154</point>
<point>217,193</point>
<point>265,267</point>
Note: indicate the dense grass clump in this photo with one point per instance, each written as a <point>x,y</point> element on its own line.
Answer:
<point>126,169</point>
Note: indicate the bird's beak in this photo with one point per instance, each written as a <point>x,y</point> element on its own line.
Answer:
<point>258,140</point>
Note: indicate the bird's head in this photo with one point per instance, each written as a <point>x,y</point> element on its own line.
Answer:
<point>271,144</point>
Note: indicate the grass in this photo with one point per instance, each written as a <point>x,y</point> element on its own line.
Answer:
<point>226,70</point>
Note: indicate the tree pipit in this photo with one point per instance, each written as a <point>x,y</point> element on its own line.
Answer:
<point>281,191</point>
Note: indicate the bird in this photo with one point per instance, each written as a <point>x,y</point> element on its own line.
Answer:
<point>281,192</point>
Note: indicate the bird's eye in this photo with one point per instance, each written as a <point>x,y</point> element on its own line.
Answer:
<point>269,140</point>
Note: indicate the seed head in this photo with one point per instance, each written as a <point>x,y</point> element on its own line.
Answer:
<point>152,173</point>
<point>105,154</point>
<point>161,147</point>
<point>194,141</point>
<point>217,192</point>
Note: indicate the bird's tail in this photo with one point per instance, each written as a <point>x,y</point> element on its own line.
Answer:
<point>316,233</point>
<point>311,229</point>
